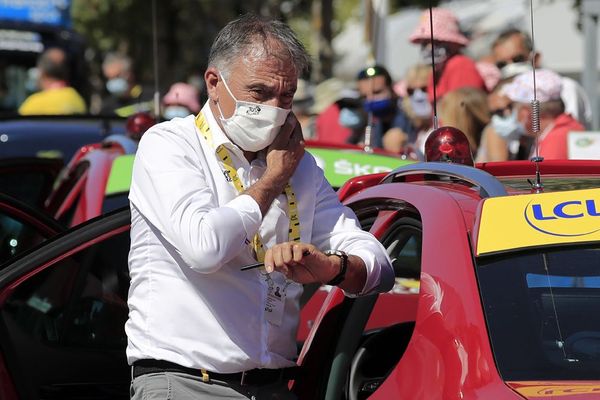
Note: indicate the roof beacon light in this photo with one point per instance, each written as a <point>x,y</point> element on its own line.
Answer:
<point>448,144</point>
<point>139,123</point>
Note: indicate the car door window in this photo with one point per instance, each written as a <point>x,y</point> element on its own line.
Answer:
<point>22,227</point>
<point>71,315</point>
<point>403,244</point>
<point>16,236</point>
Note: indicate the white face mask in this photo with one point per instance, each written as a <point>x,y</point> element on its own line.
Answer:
<point>509,128</point>
<point>253,126</point>
<point>420,104</point>
<point>440,54</point>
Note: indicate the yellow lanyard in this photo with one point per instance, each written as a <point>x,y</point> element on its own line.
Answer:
<point>233,177</point>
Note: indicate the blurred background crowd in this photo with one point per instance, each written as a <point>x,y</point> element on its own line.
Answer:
<point>377,78</point>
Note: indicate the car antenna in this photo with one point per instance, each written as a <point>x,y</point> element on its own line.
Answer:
<point>537,186</point>
<point>372,35</point>
<point>435,118</point>
<point>155,61</point>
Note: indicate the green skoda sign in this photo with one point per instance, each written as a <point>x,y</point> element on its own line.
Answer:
<point>339,165</point>
<point>119,179</point>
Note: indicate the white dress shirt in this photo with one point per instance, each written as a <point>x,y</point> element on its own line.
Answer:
<point>189,303</point>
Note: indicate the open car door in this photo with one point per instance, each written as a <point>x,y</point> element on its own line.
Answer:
<point>62,315</point>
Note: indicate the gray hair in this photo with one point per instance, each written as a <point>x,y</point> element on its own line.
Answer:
<point>251,35</point>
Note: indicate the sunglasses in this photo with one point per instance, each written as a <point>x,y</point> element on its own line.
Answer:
<point>516,59</point>
<point>501,112</point>
<point>410,90</point>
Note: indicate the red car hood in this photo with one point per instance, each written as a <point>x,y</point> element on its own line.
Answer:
<point>559,390</point>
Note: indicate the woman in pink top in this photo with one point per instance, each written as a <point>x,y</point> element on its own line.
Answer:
<point>453,70</point>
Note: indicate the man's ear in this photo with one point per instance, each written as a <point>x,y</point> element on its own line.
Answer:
<point>211,78</point>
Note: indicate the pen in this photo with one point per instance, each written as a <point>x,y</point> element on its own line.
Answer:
<point>252,266</point>
<point>259,264</point>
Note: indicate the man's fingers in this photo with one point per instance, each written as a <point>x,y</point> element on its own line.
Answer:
<point>287,254</point>
<point>268,261</point>
<point>299,252</point>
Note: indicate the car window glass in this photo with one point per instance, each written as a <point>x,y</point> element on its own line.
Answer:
<point>114,202</point>
<point>16,236</point>
<point>30,187</point>
<point>542,311</point>
<point>403,244</point>
<point>73,310</point>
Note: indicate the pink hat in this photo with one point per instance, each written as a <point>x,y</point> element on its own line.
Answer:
<point>490,73</point>
<point>445,28</point>
<point>548,86</point>
<point>183,94</point>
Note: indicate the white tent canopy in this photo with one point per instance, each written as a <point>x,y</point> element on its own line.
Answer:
<point>555,32</point>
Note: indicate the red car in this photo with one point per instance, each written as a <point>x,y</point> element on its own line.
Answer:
<point>508,286</point>
<point>98,177</point>
<point>496,295</point>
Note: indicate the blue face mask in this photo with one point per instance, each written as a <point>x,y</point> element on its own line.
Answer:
<point>171,112</point>
<point>350,118</point>
<point>117,86</point>
<point>379,108</point>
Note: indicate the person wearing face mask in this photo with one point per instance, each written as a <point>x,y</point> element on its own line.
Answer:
<point>513,54</point>
<point>380,107</point>
<point>417,108</point>
<point>124,96</point>
<point>453,69</point>
<point>223,189</point>
<point>555,124</point>
<point>55,95</point>
<point>180,101</point>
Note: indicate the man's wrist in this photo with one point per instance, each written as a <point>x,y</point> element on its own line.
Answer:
<point>343,267</point>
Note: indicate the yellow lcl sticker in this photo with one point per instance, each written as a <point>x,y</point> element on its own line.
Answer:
<point>552,391</point>
<point>515,222</point>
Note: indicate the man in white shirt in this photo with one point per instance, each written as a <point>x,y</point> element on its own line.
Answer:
<point>215,192</point>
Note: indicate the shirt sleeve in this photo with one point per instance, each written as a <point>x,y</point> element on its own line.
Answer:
<point>336,227</point>
<point>170,189</point>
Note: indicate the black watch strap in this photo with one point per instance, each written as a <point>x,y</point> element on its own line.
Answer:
<point>339,278</point>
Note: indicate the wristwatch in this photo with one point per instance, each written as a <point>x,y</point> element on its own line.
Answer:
<point>339,278</point>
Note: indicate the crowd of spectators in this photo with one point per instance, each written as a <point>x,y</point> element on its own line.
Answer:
<point>488,99</point>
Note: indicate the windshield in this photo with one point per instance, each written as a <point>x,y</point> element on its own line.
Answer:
<point>552,184</point>
<point>542,309</point>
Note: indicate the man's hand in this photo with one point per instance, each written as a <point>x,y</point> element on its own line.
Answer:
<point>283,156</point>
<point>285,153</point>
<point>304,263</point>
<point>300,262</point>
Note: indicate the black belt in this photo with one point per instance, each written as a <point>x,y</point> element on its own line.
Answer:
<point>251,377</point>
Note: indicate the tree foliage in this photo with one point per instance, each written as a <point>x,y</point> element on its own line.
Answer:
<point>186,28</point>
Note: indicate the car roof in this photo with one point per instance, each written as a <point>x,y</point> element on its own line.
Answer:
<point>499,208</point>
<point>57,137</point>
